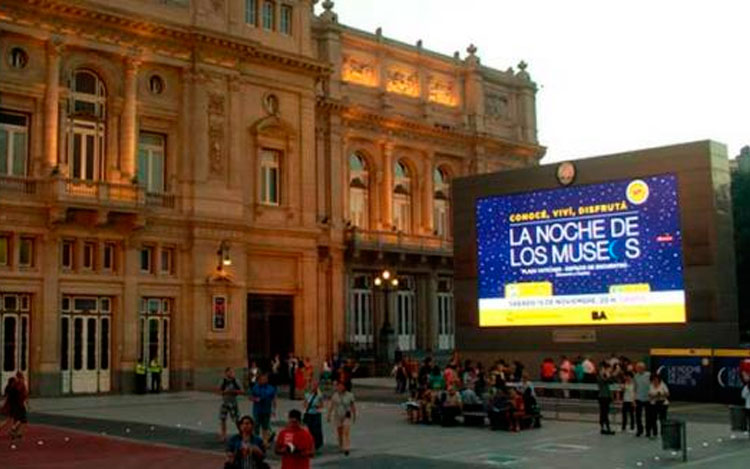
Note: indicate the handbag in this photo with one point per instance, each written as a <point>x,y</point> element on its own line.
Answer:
<point>306,415</point>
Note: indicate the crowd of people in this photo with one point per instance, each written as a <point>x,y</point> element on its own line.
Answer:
<point>503,393</point>
<point>303,435</point>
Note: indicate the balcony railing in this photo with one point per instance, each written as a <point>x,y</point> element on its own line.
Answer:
<point>400,240</point>
<point>18,185</point>
<point>159,199</point>
<point>98,192</point>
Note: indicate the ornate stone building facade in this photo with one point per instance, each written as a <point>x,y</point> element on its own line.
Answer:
<point>203,181</point>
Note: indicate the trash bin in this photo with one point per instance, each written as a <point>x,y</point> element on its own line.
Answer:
<point>673,435</point>
<point>737,418</point>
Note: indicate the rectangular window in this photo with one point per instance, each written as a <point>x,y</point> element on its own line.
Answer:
<point>4,249</point>
<point>87,150</point>
<point>66,255</point>
<point>108,257</point>
<point>151,151</point>
<point>147,259</point>
<point>269,177</point>
<point>286,19</point>
<point>268,15</point>
<point>89,255</point>
<point>167,261</point>
<point>251,12</point>
<point>26,252</point>
<point>13,144</point>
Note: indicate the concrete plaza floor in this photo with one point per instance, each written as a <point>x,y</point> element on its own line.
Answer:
<point>383,438</point>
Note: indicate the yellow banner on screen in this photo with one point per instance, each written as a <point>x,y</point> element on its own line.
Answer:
<point>526,289</point>
<point>630,288</point>
<point>637,307</point>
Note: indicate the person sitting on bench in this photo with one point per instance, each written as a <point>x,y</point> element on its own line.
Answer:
<point>518,411</point>
<point>451,407</point>
<point>498,410</point>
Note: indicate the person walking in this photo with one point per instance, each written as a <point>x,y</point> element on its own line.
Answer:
<point>16,403</point>
<point>155,369</point>
<point>658,395</point>
<point>295,444</point>
<point>312,417</point>
<point>642,381</point>
<point>9,395</point>
<point>344,414</point>
<point>628,402</point>
<point>229,390</point>
<point>605,397</point>
<point>263,396</point>
<point>291,364</point>
<point>245,450</point>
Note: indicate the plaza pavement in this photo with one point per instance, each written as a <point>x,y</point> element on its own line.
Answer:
<point>382,438</point>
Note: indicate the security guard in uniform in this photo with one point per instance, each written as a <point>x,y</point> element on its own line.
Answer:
<point>140,377</point>
<point>155,369</point>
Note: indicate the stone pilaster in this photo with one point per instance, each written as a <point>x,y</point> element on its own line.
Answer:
<point>386,210</point>
<point>428,196</point>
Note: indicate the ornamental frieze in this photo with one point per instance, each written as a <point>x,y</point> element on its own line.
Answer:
<point>403,81</point>
<point>442,91</point>
<point>359,70</point>
<point>216,133</point>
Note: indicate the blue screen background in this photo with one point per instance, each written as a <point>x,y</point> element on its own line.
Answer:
<point>660,263</point>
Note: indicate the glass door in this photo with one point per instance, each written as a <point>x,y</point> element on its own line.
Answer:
<point>14,336</point>
<point>155,336</point>
<point>85,345</point>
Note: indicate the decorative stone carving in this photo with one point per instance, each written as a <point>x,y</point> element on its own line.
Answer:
<point>358,70</point>
<point>442,91</point>
<point>216,132</point>
<point>403,81</point>
<point>496,105</point>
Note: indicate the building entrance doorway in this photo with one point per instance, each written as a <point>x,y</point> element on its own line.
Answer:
<point>270,327</point>
<point>85,344</point>
<point>14,336</point>
<point>154,337</point>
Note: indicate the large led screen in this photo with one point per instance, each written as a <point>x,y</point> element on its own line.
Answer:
<point>595,254</point>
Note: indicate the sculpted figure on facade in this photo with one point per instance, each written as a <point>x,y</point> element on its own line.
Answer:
<point>216,133</point>
<point>403,81</point>
<point>442,91</point>
<point>496,106</point>
<point>358,70</point>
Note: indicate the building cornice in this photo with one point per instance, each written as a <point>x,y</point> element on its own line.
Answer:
<point>56,17</point>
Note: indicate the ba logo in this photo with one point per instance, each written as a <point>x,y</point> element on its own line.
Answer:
<point>598,316</point>
<point>637,192</point>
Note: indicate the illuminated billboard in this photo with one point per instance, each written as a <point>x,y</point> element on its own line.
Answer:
<point>596,254</point>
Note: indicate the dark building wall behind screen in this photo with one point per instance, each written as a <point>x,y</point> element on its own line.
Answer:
<point>708,252</point>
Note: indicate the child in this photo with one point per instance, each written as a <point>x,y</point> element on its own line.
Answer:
<point>413,408</point>
<point>628,402</point>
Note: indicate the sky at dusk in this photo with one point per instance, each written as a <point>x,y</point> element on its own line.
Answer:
<point>612,76</point>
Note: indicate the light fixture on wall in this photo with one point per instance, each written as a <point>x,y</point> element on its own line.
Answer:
<point>223,255</point>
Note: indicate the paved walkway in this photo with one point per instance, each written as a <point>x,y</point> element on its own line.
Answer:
<point>382,438</point>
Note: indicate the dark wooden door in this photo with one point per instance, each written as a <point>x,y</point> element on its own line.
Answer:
<point>270,326</point>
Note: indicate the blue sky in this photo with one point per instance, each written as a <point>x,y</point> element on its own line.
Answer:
<point>612,76</point>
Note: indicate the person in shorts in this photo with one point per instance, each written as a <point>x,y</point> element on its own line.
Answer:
<point>344,413</point>
<point>229,390</point>
<point>263,396</point>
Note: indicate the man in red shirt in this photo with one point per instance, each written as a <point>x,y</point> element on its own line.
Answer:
<point>295,444</point>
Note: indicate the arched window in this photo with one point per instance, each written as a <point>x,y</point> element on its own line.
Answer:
<point>359,191</point>
<point>402,197</point>
<point>86,125</point>
<point>441,203</point>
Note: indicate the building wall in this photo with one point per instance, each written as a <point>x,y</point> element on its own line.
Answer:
<point>229,91</point>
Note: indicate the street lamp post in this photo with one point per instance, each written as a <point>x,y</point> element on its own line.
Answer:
<point>387,339</point>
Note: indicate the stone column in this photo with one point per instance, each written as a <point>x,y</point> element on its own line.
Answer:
<point>128,138</point>
<point>386,210</point>
<point>428,195</point>
<point>52,104</point>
